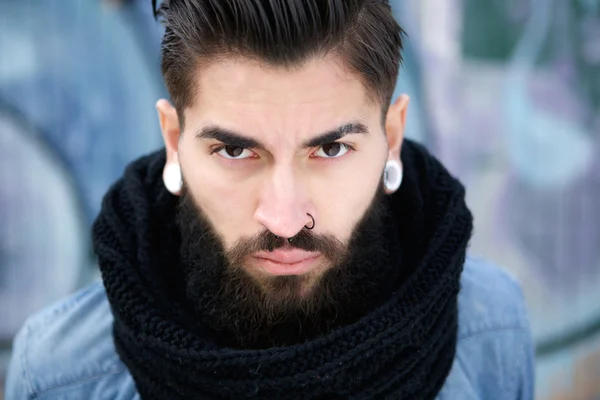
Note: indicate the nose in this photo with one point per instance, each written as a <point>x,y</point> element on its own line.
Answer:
<point>283,205</point>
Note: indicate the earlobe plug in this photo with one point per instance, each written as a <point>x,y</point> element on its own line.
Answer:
<point>172,178</point>
<point>392,175</point>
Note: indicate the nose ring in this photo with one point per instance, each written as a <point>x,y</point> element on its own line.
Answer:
<point>313,222</point>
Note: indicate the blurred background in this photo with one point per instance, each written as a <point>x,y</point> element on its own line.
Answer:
<point>505,92</point>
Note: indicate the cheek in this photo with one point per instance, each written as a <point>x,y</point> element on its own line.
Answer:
<point>227,204</point>
<point>343,201</point>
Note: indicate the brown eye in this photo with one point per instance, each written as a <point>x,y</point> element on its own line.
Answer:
<point>234,152</point>
<point>332,150</point>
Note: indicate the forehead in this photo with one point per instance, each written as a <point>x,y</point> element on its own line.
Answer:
<point>241,89</point>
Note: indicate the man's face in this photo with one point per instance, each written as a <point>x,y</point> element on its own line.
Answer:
<point>265,149</point>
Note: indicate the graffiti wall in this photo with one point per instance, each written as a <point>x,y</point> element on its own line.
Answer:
<point>505,92</point>
<point>514,89</point>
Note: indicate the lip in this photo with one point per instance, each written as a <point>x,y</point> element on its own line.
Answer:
<point>287,261</point>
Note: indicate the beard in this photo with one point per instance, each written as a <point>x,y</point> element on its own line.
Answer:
<point>246,311</point>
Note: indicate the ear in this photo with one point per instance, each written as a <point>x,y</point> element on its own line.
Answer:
<point>169,125</point>
<point>395,123</point>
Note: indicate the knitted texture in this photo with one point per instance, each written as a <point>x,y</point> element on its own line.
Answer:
<point>403,349</point>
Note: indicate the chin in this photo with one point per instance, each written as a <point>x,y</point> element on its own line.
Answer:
<point>291,288</point>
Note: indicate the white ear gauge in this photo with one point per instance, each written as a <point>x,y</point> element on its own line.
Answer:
<point>392,175</point>
<point>172,178</point>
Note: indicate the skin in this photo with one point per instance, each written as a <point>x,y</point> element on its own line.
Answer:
<point>275,185</point>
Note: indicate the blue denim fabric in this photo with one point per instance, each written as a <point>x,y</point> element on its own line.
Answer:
<point>67,352</point>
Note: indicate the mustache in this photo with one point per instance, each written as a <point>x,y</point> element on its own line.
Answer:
<point>328,245</point>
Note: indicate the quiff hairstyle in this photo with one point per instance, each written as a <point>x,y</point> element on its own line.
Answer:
<point>280,33</point>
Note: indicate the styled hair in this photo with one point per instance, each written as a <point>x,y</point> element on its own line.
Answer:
<point>281,33</point>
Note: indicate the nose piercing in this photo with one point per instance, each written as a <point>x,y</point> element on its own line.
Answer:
<point>313,222</point>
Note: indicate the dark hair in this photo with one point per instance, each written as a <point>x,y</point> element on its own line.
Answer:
<point>282,33</point>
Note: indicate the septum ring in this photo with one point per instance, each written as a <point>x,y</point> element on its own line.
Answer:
<point>313,222</point>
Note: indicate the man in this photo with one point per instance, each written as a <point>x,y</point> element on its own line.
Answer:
<point>288,244</point>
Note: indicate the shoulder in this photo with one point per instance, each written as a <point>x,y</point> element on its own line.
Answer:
<point>66,351</point>
<point>490,299</point>
<point>494,352</point>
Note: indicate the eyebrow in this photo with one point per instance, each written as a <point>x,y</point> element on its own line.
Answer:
<point>333,135</point>
<point>235,139</point>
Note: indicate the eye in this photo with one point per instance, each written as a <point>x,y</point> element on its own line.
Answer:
<point>332,150</point>
<point>234,152</point>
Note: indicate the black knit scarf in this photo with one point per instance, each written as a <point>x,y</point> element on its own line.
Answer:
<point>401,349</point>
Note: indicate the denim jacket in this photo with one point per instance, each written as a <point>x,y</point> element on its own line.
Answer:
<point>66,351</point>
